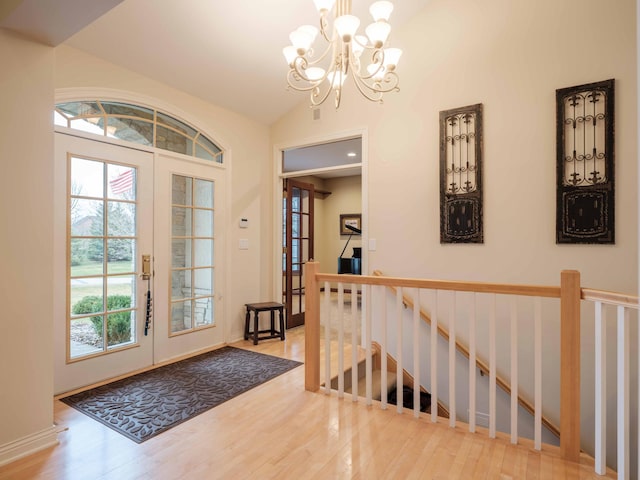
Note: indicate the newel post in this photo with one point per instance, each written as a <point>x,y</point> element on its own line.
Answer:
<point>312,327</point>
<point>570,365</point>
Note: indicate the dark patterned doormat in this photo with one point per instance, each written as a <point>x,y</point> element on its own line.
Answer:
<point>144,405</point>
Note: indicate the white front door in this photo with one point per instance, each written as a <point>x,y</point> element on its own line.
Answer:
<point>189,260</point>
<point>113,206</point>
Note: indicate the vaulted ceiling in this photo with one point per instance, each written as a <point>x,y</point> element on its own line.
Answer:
<point>226,52</point>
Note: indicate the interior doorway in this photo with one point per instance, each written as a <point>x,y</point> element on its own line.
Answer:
<point>319,184</point>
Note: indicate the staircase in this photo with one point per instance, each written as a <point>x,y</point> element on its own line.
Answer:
<point>377,386</point>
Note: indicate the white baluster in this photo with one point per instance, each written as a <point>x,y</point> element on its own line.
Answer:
<point>354,343</point>
<point>340,341</point>
<point>383,364</point>
<point>327,338</point>
<point>434,358</point>
<point>472,366</point>
<point>601,390</point>
<point>368,361</point>
<point>399,305</point>
<point>416,353</point>
<point>492,367</point>
<point>623,393</point>
<point>452,361</point>
<point>514,370</point>
<point>537,373</point>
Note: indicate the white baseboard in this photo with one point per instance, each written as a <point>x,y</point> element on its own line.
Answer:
<point>22,447</point>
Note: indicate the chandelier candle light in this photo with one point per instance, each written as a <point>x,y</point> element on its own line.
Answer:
<point>365,58</point>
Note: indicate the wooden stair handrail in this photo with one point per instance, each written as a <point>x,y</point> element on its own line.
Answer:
<point>612,298</point>
<point>480,364</point>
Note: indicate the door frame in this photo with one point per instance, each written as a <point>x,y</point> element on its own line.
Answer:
<point>278,186</point>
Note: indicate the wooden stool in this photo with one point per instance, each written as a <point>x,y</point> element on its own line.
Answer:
<point>263,307</point>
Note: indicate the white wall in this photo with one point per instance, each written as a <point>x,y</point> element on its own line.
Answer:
<point>511,57</point>
<point>246,146</point>
<point>26,219</point>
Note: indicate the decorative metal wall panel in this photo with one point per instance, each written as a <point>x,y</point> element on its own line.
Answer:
<point>585,164</point>
<point>461,175</point>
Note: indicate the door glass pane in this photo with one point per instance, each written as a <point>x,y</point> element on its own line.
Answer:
<point>86,217</point>
<point>203,220</point>
<point>121,219</point>
<point>181,253</point>
<point>86,336</point>
<point>122,181</point>
<point>86,295</point>
<point>203,311</point>
<point>122,255</point>
<point>180,222</point>
<point>81,251</point>
<point>192,251</point>
<point>203,281</point>
<point>87,178</point>
<point>203,253</point>
<point>181,190</point>
<point>120,328</point>
<point>181,284</point>
<point>109,293</point>
<point>121,292</point>
<point>304,230</point>
<point>203,193</point>
<point>295,200</point>
<point>180,316</point>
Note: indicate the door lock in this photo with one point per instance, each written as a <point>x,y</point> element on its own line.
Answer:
<point>146,267</point>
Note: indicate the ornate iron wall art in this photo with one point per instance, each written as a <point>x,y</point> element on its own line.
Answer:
<point>461,175</point>
<point>585,164</point>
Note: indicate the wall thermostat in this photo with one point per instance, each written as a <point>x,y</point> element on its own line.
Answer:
<point>244,223</point>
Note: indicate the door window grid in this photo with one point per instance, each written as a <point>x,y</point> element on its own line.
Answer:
<point>295,233</point>
<point>101,288</point>
<point>192,254</point>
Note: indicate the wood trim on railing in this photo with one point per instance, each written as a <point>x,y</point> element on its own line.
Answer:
<point>480,364</point>
<point>612,298</point>
<point>479,287</point>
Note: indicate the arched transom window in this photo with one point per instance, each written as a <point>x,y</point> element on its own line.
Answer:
<point>141,125</point>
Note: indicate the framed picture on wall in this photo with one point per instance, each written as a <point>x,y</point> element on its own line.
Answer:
<point>353,220</point>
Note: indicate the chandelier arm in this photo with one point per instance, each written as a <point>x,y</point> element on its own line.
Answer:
<point>377,52</point>
<point>316,93</point>
<point>294,84</point>
<point>297,71</point>
<point>324,24</point>
<point>374,96</point>
<point>320,58</point>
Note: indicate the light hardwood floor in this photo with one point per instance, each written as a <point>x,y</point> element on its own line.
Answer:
<point>280,431</point>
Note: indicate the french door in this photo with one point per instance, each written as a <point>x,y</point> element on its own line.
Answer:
<point>297,245</point>
<point>136,263</point>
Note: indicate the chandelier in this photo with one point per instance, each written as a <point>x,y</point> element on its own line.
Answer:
<point>363,57</point>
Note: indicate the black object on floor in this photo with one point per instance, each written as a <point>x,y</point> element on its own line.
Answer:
<point>144,405</point>
<point>407,398</point>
